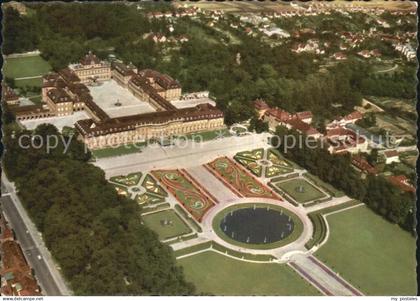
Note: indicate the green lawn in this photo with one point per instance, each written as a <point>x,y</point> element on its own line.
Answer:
<point>328,187</point>
<point>308,194</point>
<point>208,135</point>
<point>371,253</point>
<point>176,227</point>
<point>119,151</point>
<point>220,275</point>
<point>30,82</point>
<point>26,67</point>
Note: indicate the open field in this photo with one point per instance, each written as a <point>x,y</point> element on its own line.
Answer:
<point>25,67</point>
<point>167,224</point>
<point>30,82</point>
<point>308,193</point>
<point>216,274</point>
<point>396,125</point>
<point>374,255</point>
<point>394,103</point>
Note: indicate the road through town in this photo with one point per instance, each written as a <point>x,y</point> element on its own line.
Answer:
<point>37,255</point>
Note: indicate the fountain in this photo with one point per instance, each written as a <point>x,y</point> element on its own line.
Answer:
<point>300,189</point>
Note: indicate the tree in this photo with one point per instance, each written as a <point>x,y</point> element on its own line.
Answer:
<point>257,125</point>
<point>96,235</point>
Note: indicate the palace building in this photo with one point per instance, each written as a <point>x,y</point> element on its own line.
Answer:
<point>91,69</point>
<point>65,92</point>
<point>136,128</point>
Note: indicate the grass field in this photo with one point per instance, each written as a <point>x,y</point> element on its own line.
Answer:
<point>217,274</point>
<point>30,82</point>
<point>371,253</point>
<point>155,221</point>
<point>309,193</point>
<point>25,67</point>
<point>326,186</point>
<point>119,151</point>
<point>208,135</point>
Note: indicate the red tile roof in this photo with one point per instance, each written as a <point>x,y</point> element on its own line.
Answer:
<point>279,114</point>
<point>363,165</point>
<point>354,115</point>
<point>9,94</point>
<point>303,127</point>
<point>126,123</point>
<point>402,182</point>
<point>304,115</point>
<point>391,153</point>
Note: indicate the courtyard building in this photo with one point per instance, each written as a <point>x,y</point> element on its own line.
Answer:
<point>147,93</point>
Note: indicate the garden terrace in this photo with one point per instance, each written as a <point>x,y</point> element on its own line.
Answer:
<point>193,198</point>
<point>238,179</point>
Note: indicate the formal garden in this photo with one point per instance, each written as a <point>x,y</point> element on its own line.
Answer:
<point>238,179</point>
<point>144,189</point>
<point>264,162</point>
<point>192,197</point>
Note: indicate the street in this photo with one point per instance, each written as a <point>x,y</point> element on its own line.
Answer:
<point>30,240</point>
<point>29,248</point>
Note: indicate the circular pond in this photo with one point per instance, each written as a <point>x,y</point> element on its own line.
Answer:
<point>257,226</point>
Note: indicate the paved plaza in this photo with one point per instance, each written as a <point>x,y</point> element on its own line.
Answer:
<point>58,122</point>
<point>181,155</point>
<point>110,92</point>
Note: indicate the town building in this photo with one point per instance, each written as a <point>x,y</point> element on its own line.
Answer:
<point>363,166</point>
<point>17,278</point>
<point>299,121</point>
<point>342,139</point>
<point>8,95</point>
<point>402,182</point>
<point>348,119</point>
<point>391,156</point>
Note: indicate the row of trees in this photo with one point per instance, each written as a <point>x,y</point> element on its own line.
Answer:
<point>398,85</point>
<point>96,236</point>
<point>385,199</point>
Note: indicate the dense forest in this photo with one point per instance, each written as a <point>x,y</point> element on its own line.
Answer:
<point>65,32</point>
<point>95,235</point>
<point>385,199</point>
